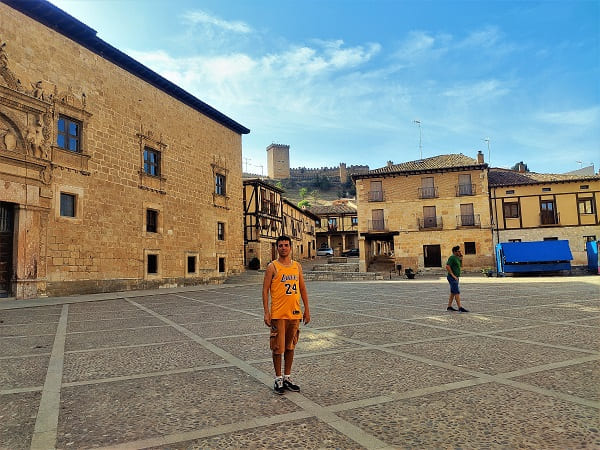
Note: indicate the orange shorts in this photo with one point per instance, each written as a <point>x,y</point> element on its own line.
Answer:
<point>284,335</point>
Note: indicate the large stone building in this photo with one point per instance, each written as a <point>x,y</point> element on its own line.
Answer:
<point>415,212</point>
<point>529,206</point>
<point>111,177</point>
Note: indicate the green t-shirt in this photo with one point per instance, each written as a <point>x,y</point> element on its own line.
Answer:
<point>454,262</point>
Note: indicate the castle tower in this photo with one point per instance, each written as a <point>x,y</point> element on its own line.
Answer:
<point>278,161</point>
<point>343,173</point>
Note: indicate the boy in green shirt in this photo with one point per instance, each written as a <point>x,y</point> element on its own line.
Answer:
<point>453,267</point>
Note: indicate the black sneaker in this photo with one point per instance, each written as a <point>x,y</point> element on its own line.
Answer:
<point>290,386</point>
<point>451,308</point>
<point>278,387</point>
<point>461,309</point>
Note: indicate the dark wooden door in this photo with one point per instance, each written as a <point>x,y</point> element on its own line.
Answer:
<point>432,256</point>
<point>6,247</point>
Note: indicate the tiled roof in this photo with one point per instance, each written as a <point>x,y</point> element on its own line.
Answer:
<point>331,210</point>
<point>439,162</point>
<point>505,177</point>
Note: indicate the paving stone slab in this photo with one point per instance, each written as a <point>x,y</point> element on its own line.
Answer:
<point>306,433</point>
<point>593,322</point>
<point>104,305</point>
<point>567,335</point>
<point>485,416</point>
<point>221,328</point>
<point>31,345</point>
<point>389,332</point>
<point>581,380</point>
<point>17,419</point>
<point>109,363</point>
<point>23,372</point>
<point>111,413</point>
<point>554,314</point>
<point>107,315</point>
<point>472,321</point>
<point>29,329</point>
<point>328,319</point>
<point>113,338</point>
<point>199,316</point>
<point>256,347</point>
<point>30,315</point>
<point>398,313</point>
<point>112,324</point>
<point>488,354</point>
<point>332,379</point>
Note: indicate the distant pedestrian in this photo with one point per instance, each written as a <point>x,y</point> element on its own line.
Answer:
<point>453,267</point>
<point>284,280</point>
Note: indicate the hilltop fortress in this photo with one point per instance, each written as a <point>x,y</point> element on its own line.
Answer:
<point>278,167</point>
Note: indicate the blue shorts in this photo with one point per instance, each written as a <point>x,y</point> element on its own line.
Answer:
<point>454,289</point>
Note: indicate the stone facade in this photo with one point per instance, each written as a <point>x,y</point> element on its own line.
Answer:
<point>414,213</point>
<point>111,183</point>
<point>534,207</point>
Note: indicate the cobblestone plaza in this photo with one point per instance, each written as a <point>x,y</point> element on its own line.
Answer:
<point>382,365</point>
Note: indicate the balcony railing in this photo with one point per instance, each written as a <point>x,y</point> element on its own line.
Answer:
<point>468,220</point>
<point>549,218</point>
<point>375,196</point>
<point>428,192</point>
<point>332,228</point>
<point>465,189</point>
<point>430,223</point>
<point>377,225</point>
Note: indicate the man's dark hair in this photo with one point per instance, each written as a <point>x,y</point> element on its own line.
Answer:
<point>455,248</point>
<point>283,238</point>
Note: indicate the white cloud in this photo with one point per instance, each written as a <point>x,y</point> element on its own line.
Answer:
<point>576,117</point>
<point>201,17</point>
<point>481,90</point>
<point>417,44</point>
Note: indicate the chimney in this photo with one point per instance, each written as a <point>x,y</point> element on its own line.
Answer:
<point>479,157</point>
<point>390,163</point>
<point>521,167</point>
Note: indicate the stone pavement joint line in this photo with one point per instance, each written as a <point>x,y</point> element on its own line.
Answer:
<point>46,424</point>
<point>352,431</point>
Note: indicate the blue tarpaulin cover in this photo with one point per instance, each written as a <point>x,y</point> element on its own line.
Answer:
<point>536,252</point>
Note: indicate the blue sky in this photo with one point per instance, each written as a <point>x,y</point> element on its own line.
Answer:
<point>344,80</point>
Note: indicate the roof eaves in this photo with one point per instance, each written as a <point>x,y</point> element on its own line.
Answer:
<point>65,24</point>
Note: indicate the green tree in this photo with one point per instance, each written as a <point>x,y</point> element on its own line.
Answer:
<point>279,185</point>
<point>304,203</point>
<point>302,192</point>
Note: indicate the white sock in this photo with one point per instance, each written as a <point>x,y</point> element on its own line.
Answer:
<point>279,378</point>
<point>286,377</point>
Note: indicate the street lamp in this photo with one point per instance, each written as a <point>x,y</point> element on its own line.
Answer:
<point>418,122</point>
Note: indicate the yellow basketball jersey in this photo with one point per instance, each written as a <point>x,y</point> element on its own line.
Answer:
<point>285,292</point>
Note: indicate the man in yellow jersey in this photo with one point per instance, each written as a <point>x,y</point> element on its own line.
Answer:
<point>283,278</point>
